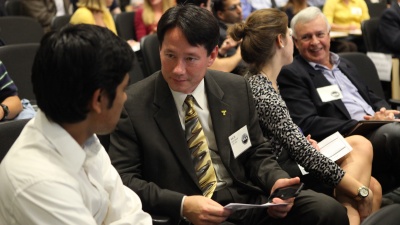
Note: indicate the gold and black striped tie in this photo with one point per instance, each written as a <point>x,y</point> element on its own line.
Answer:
<point>199,151</point>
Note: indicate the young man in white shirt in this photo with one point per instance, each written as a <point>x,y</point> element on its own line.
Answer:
<point>57,172</point>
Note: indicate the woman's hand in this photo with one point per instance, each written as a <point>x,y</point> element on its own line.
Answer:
<point>313,142</point>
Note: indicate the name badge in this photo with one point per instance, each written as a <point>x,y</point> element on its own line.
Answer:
<point>240,141</point>
<point>329,93</point>
<point>356,11</point>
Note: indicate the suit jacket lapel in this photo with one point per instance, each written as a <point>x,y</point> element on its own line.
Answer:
<point>345,68</point>
<point>320,80</point>
<point>167,119</point>
<point>220,117</point>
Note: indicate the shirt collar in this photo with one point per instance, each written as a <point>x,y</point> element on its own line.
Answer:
<point>73,154</point>
<point>334,58</point>
<point>198,94</point>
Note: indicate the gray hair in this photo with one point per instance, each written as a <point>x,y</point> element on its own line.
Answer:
<point>306,15</point>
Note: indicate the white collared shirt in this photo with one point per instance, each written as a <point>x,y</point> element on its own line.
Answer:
<point>48,178</point>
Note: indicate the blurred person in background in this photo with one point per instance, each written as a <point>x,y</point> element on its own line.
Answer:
<point>146,18</point>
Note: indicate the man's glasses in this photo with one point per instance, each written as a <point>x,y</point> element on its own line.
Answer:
<point>234,7</point>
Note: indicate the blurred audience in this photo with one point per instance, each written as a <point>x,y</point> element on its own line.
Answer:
<point>229,12</point>
<point>246,8</point>
<point>265,4</point>
<point>388,38</point>
<point>292,7</point>
<point>316,3</point>
<point>94,12</point>
<point>134,5</point>
<point>147,17</point>
<point>347,15</point>
<point>114,7</point>
<point>45,10</point>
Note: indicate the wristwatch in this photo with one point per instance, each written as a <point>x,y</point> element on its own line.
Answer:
<point>6,111</point>
<point>363,192</point>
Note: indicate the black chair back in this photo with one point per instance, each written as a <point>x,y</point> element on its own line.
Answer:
<point>369,30</point>
<point>124,25</point>
<point>376,7</point>
<point>18,59</point>
<point>59,21</point>
<point>20,29</point>
<point>150,49</point>
<point>367,70</point>
<point>9,132</point>
<point>14,8</point>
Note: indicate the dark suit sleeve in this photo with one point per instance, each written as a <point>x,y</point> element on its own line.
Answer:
<point>127,157</point>
<point>389,30</point>
<point>306,108</point>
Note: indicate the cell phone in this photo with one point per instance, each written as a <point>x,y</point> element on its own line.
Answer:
<point>286,192</point>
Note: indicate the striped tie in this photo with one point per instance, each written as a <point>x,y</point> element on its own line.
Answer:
<point>198,147</point>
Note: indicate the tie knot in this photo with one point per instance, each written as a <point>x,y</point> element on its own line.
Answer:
<point>189,101</point>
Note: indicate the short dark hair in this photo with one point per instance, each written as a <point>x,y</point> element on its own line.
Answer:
<point>72,64</point>
<point>194,2</point>
<point>197,24</point>
<point>218,5</point>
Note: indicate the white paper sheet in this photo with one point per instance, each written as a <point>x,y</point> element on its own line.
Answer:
<point>383,64</point>
<point>240,206</point>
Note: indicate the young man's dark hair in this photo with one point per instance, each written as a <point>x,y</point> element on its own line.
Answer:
<point>72,55</point>
<point>194,2</point>
<point>199,28</point>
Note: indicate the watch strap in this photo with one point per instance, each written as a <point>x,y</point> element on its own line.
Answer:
<point>5,110</point>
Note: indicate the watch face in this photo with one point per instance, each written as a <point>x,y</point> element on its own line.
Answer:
<point>364,192</point>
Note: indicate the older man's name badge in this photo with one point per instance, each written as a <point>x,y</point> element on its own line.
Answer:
<point>329,93</point>
<point>240,141</point>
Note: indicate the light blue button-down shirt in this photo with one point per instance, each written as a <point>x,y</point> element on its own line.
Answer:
<point>354,103</point>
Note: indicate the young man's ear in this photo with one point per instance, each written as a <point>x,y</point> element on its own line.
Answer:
<point>97,100</point>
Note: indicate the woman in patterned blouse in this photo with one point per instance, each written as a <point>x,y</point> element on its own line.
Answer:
<point>266,46</point>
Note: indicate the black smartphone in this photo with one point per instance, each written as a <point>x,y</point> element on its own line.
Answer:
<point>286,192</point>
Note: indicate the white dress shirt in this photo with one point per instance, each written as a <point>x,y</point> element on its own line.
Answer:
<point>48,178</point>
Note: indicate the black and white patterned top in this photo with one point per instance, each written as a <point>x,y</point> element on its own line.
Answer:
<point>285,135</point>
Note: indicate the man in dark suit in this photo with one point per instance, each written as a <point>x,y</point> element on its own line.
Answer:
<point>150,149</point>
<point>317,113</point>
<point>388,38</point>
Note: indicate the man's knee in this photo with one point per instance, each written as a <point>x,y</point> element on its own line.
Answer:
<point>386,140</point>
<point>317,208</point>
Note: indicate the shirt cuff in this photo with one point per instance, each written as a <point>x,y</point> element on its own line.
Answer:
<point>183,199</point>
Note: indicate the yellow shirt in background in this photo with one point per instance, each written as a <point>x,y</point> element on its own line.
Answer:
<point>84,15</point>
<point>337,12</point>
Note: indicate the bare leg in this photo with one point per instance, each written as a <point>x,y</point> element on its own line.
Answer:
<point>358,164</point>
<point>353,207</point>
<point>376,188</point>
